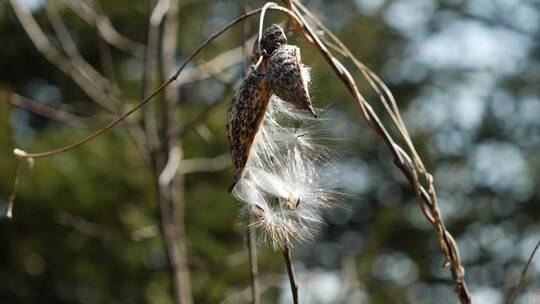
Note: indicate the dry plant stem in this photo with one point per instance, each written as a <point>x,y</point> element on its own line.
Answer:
<point>11,197</point>
<point>48,111</point>
<point>43,45</point>
<point>254,269</point>
<point>171,151</point>
<point>523,275</point>
<point>290,272</point>
<point>251,236</point>
<point>94,17</point>
<point>75,66</point>
<point>427,199</point>
<point>149,80</point>
<point>71,49</point>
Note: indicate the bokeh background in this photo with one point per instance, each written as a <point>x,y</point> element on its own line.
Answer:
<point>466,75</point>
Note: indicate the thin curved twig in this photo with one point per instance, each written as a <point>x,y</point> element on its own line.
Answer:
<point>523,274</point>
<point>290,272</point>
<point>48,111</point>
<point>94,17</point>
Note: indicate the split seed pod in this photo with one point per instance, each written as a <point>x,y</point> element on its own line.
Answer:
<point>244,118</point>
<point>272,39</point>
<point>282,73</point>
<point>289,77</point>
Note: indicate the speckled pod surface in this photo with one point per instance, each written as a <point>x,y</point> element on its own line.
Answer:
<point>289,78</point>
<point>282,73</point>
<point>245,116</point>
<point>272,38</point>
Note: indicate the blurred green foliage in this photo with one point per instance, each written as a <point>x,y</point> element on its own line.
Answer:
<point>472,107</point>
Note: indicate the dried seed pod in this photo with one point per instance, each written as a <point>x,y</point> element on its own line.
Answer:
<point>289,78</point>
<point>272,38</point>
<point>244,118</point>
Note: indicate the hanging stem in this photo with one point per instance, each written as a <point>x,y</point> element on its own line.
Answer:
<point>254,269</point>
<point>11,198</point>
<point>290,272</point>
<point>523,274</point>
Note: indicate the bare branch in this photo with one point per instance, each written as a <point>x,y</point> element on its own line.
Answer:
<point>253,267</point>
<point>73,53</point>
<point>48,111</point>
<point>290,272</point>
<point>95,18</point>
<point>212,67</point>
<point>40,40</point>
<point>12,195</point>
<point>523,274</point>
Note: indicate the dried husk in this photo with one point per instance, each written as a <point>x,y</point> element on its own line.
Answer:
<point>245,116</point>
<point>289,78</point>
<point>273,38</point>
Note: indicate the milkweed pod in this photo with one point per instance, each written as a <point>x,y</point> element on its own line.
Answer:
<point>289,78</point>
<point>244,118</point>
<point>272,38</point>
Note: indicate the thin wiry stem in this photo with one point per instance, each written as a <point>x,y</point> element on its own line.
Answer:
<point>250,232</point>
<point>11,197</point>
<point>87,78</point>
<point>94,17</point>
<point>290,272</point>
<point>523,274</point>
<point>156,15</point>
<point>171,149</point>
<point>43,45</point>
<point>254,269</point>
<point>68,44</point>
<point>48,111</point>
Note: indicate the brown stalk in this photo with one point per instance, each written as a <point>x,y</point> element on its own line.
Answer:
<point>171,151</point>
<point>290,272</point>
<point>48,111</point>
<point>88,79</point>
<point>251,236</point>
<point>44,46</point>
<point>94,17</point>
<point>523,274</point>
<point>410,167</point>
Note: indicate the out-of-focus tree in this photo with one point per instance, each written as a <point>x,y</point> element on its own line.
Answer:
<point>86,225</point>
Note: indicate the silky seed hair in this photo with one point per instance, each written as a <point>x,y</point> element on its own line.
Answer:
<point>286,184</point>
<point>279,168</point>
<point>249,103</point>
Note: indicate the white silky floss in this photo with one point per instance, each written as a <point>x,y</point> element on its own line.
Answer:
<point>283,186</point>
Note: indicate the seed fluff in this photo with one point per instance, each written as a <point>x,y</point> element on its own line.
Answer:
<point>285,182</point>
